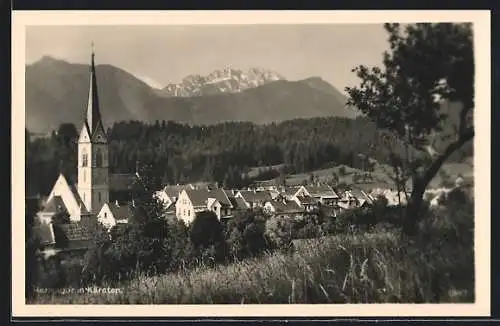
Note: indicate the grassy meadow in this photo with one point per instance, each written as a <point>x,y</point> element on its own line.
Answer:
<point>372,267</point>
<point>380,174</point>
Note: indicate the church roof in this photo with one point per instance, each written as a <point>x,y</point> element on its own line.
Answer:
<point>55,205</point>
<point>75,231</point>
<point>93,118</point>
<point>83,209</point>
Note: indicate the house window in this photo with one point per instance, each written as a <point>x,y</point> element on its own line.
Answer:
<point>105,214</point>
<point>189,212</point>
<point>98,158</point>
<point>99,197</point>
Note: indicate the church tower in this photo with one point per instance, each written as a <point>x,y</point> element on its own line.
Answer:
<point>93,174</point>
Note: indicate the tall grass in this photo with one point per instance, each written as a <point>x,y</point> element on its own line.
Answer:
<point>377,267</point>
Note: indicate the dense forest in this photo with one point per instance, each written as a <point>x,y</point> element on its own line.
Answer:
<point>223,153</point>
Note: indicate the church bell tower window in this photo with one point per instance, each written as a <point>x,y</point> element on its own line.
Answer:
<point>85,159</point>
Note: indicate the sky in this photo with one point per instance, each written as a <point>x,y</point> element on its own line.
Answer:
<point>165,54</point>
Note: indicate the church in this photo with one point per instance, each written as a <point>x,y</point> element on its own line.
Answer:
<point>96,188</point>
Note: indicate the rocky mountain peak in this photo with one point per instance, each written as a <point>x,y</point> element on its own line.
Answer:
<point>224,80</point>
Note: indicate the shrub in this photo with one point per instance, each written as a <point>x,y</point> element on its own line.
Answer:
<point>310,226</point>
<point>59,219</point>
<point>156,246</point>
<point>279,232</point>
<point>245,235</point>
<point>207,237</point>
<point>50,273</point>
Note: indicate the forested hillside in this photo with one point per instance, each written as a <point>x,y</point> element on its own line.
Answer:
<point>224,152</point>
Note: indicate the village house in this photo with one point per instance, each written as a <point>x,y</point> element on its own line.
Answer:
<point>347,199</point>
<point>193,201</point>
<point>290,193</point>
<point>222,197</point>
<point>238,203</point>
<point>274,193</point>
<point>435,195</point>
<point>283,208</point>
<point>392,196</point>
<point>323,193</point>
<point>254,199</point>
<point>112,214</point>
<point>363,199</point>
<point>169,194</point>
<point>308,203</point>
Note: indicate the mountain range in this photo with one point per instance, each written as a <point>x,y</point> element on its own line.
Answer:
<point>227,80</point>
<point>56,92</point>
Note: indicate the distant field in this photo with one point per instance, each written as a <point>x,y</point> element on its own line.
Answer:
<point>254,171</point>
<point>381,174</point>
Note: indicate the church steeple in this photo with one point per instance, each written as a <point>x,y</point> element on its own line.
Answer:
<point>93,117</point>
<point>93,174</point>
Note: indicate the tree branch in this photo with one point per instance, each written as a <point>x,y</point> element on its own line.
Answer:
<point>464,137</point>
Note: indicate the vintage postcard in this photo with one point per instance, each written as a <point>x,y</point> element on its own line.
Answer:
<point>251,163</point>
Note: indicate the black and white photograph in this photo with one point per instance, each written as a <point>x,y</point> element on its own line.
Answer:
<point>237,163</point>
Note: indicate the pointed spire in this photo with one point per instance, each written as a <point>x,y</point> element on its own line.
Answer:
<point>93,118</point>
